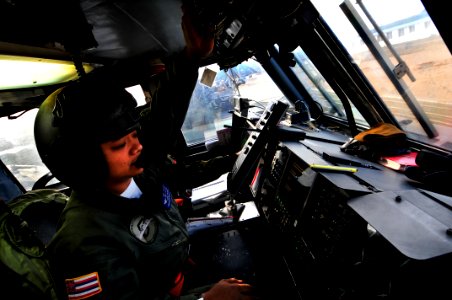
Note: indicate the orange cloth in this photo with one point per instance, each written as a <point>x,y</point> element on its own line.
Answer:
<point>380,131</point>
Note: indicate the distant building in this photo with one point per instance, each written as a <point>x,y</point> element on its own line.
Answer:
<point>412,28</point>
<point>416,27</point>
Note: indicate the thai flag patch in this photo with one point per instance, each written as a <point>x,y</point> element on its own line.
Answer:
<point>83,287</point>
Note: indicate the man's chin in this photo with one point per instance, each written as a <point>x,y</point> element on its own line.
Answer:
<point>137,170</point>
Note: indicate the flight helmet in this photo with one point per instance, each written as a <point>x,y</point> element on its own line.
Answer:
<point>74,120</point>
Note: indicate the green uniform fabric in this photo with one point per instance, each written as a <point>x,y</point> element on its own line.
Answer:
<point>97,236</point>
<point>169,96</point>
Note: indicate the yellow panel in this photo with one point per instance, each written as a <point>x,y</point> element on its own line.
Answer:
<point>23,72</point>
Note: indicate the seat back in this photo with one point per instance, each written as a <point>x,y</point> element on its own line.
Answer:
<point>27,224</point>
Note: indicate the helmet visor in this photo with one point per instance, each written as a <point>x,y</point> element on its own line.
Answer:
<point>118,127</point>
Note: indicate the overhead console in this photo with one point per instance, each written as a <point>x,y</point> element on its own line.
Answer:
<point>243,27</point>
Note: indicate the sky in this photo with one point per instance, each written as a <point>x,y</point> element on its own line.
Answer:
<point>386,11</point>
<point>383,11</point>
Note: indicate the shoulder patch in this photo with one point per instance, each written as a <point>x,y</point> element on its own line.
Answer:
<point>167,198</point>
<point>83,287</point>
<point>143,228</point>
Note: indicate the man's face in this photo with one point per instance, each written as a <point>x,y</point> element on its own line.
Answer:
<point>121,156</point>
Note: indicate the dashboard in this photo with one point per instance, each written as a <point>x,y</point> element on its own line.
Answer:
<point>364,234</point>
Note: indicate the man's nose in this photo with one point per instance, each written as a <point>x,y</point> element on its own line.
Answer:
<point>135,144</point>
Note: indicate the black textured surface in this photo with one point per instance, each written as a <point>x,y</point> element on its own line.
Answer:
<point>244,253</point>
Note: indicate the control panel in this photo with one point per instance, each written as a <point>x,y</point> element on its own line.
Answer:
<point>255,144</point>
<point>345,243</point>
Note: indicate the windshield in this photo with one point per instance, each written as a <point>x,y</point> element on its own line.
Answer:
<point>212,102</point>
<point>403,57</point>
<point>319,89</point>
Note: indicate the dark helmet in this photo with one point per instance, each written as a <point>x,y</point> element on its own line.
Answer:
<point>72,123</point>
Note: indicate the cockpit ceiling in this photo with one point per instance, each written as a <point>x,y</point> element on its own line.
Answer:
<point>111,30</point>
<point>125,29</point>
<point>99,29</point>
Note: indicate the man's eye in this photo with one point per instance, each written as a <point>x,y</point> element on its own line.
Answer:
<point>118,146</point>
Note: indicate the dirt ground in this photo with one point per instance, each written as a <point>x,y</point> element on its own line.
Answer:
<point>431,64</point>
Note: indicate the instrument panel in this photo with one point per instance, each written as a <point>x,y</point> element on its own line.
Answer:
<point>331,247</point>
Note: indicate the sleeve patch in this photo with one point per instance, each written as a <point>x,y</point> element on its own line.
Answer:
<point>83,287</point>
<point>167,198</point>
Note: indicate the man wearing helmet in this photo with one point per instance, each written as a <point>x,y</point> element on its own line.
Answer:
<point>121,235</point>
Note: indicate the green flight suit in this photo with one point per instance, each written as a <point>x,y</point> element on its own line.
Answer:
<point>136,246</point>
